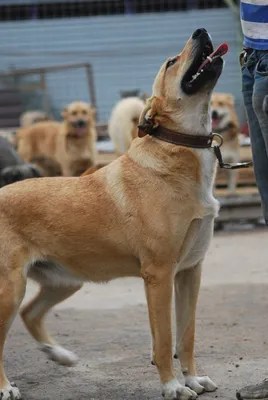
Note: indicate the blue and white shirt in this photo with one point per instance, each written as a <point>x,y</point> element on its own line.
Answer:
<point>254,20</point>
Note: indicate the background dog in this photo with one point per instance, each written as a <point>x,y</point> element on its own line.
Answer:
<point>225,122</point>
<point>122,126</point>
<point>12,167</point>
<point>72,143</point>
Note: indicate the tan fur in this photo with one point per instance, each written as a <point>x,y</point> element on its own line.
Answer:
<point>148,214</point>
<point>61,142</point>
<point>230,147</point>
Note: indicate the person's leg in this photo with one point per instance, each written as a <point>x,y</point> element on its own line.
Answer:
<point>255,86</point>
<point>259,92</point>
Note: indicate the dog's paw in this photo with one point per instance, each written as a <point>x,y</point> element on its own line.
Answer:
<point>60,355</point>
<point>10,392</point>
<point>173,390</point>
<point>200,384</point>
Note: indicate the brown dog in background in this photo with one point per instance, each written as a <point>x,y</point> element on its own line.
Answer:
<point>225,122</point>
<point>72,143</point>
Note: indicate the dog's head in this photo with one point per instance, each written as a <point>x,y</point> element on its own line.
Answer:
<point>223,111</point>
<point>17,173</point>
<point>183,86</point>
<point>78,116</point>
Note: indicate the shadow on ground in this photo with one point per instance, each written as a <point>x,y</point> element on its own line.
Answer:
<point>114,349</point>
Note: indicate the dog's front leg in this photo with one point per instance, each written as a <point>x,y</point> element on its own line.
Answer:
<point>232,180</point>
<point>187,284</point>
<point>158,285</point>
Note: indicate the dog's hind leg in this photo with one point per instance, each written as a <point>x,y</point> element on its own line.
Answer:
<point>57,284</point>
<point>33,315</point>
<point>187,284</point>
<point>12,289</point>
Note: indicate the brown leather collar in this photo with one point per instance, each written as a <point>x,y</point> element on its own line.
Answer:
<point>178,138</point>
<point>193,141</point>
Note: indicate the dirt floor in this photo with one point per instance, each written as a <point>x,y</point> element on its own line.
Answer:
<point>107,327</point>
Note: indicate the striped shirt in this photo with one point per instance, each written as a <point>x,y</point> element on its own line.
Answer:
<point>254,20</point>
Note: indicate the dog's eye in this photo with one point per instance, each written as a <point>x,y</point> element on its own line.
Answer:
<point>84,112</point>
<point>171,62</point>
<point>220,104</point>
<point>74,112</point>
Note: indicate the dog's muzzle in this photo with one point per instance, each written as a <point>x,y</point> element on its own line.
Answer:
<point>80,123</point>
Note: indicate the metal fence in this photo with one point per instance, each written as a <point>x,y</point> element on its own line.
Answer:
<point>124,42</point>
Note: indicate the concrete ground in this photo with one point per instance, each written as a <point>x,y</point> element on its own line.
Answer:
<point>107,326</point>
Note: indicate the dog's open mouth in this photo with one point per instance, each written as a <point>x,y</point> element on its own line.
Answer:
<point>206,66</point>
<point>216,121</point>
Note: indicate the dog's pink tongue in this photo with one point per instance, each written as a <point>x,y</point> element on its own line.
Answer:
<point>219,52</point>
<point>215,123</point>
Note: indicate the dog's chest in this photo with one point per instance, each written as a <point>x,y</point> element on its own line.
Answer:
<point>199,234</point>
<point>78,148</point>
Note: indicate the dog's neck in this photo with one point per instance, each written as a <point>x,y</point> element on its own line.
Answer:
<point>195,122</point>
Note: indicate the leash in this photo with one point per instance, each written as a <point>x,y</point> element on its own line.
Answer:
<point>193,141</point>
<point>218,154</point>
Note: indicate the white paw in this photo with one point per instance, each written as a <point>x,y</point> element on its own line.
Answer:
<point>10,392</point>
<point>200,384</point>
<point>173,390</point>
<point>60,355</point>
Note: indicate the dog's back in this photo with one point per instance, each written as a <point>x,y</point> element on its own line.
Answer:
<point>38,140</point>
<point>123,123</point>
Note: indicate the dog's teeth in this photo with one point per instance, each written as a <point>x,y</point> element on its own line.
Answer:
<point>195,76</point>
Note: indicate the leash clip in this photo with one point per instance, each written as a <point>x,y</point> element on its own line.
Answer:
<point>218,154</point>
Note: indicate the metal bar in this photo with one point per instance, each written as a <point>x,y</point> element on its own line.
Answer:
<point>16,72</point>
<point>46,106</point>
<point>91,86</point>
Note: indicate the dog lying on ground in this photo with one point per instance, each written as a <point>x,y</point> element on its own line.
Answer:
<point>122,126</point>
<point>102,226</point>
<point>30,118</point>
<point>225,122</point>
<point>72,143</point>
<point>12,167</point>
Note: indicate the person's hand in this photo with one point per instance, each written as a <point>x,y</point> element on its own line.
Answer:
<point>242,57</point>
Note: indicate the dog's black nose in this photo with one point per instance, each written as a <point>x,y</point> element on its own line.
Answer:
<point>214,114</point>
<point>81,123</point>
<point>198,33</point>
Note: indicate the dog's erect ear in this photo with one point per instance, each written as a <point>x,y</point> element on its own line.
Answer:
<point>150,117</point>
<point>64,112</point>
<point>230,98</point>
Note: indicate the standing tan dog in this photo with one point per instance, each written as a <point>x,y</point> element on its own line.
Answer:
<point>64,231</point>
<point>225,122</point>
<point>71,143</point>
